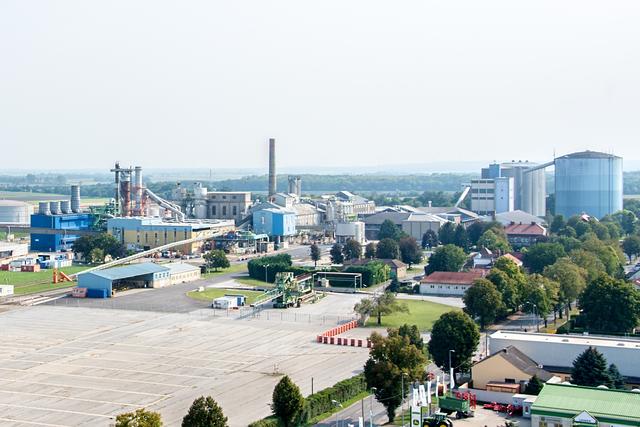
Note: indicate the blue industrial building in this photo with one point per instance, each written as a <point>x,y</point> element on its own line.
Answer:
<point>102,283</point>
<point>274,222</point>
<point>588,182</point>
<point>65,223</point>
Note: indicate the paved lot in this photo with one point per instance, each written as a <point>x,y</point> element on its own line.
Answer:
<point>81,366</point>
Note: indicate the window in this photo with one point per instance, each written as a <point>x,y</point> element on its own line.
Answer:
<point>235,210</point>
<point>224,211</point>
<point>510,380</point>
<point>213,211</point>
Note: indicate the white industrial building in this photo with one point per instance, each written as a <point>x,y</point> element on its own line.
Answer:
<point>556,353</point>
<point>10,250</point>
<point>417,224</point>
<point>492,195</point>
<point>13,212</point>
<point>350,231</point>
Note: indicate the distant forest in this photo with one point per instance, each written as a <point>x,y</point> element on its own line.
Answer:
<point>393,186</point>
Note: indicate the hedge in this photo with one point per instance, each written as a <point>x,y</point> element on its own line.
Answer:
<point>372,273</point>
<point>276,264</point>
<point>320,402</point>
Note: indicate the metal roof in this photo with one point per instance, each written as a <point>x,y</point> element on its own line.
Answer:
<point>589,155</point>
<point>131,270</point>
<point>598,402</point>
<point>584,340</point>
<point>179,267</point>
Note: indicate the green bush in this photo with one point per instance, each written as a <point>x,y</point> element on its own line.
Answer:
<point>320,402</point>
<point>275,263</point>
<point>372,273</point>
<point>267,422</point>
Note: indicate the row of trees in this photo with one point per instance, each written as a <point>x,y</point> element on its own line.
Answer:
<point>204,412</point>
<point>94,248</point>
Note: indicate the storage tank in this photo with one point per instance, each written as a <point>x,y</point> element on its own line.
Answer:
<point>75,198</point>
<point>65,207</point>
<point>15,212</point>
<point>43,208</point>
<point>588,182</point>
<point>54,207</point>
<point>530,187</point>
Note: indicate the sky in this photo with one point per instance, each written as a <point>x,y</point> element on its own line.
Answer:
<point>338,83</point>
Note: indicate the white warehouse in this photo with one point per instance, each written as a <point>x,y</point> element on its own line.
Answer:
<point>556,353</point>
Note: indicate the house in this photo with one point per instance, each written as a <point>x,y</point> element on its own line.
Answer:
<point>483,259</point>
<point>524,235</point>
<point>517,261</point>
<point>508,370</point>
<point>568,405</point>
<point>450,282</point>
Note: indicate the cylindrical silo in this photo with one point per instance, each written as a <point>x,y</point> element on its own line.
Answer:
<point>75,198</point>
<point>588,182</point>
<point>43,208</point>
<point>54,207</point>
<point>65,206</point>
<point>15,212</point>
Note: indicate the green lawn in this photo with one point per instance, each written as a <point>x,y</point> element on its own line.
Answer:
<point>235,268</point>
<point>246,280</point>
<point>210,293</point>
<point>26,283</point>
<point>421,313</point>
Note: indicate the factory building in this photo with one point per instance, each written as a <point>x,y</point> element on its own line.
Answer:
<point>419,223</point>
<point>588,182</point>
<point>148,233</point>
<point>556,353</point>
<point>10,250</point>
<point>104,283</point>
<point>274,222</point>
<point>61,227</point>
<point>14,212</point>
<point>199,203</point>
<point>350,231</point>
<point>504,187</point>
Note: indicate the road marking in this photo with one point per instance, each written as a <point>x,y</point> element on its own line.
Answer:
<point>81,387</point>
<point>69,398</point>
<point>62,411</point>
<point>33,423</point>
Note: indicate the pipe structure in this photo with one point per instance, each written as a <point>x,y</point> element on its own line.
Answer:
<point>137,190</point>
<point>272,168</point>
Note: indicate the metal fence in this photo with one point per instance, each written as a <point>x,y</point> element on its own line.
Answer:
<point>245,313</point>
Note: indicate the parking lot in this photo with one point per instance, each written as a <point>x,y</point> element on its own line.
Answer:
<point>70,366</point>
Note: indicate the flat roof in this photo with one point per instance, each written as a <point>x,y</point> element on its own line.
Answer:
<point>583,340</point>
<point>180,267</point>
<point>126,271</point>
<point>620,404</point>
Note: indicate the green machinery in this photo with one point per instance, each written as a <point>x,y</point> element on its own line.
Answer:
<point>450,404</point>
<point>289,291</point>
<point>437,420</point>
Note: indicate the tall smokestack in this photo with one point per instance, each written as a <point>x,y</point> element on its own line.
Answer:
<point>272,167</point>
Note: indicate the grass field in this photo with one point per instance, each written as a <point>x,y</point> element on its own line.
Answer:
<point>421,313</point>
<point>26,283</point>
<point>235,268</point>
<point>210,293</point>
<point>246,280</point>
<point>34,198</point>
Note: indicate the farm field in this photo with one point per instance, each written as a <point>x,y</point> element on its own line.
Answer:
<point>421,313</point>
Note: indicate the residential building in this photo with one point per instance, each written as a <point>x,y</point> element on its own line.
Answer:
<point>556,353</point>
<point>508,370</point>
<point>483,259</point>
<point>398,268</point>
<point>565,405</point>
<point>513,259</point>
<point>525,235</point>
<point>450,283</point>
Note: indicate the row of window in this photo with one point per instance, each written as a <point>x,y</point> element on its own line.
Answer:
<point>234,210</point>
<point>166,234</point>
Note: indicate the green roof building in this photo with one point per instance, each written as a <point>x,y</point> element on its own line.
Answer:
<point>561,405</point>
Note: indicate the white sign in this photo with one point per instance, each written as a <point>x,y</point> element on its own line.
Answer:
<point>585,417</point>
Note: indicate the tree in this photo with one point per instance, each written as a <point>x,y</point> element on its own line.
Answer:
<point>216,259</point>
<point>204,412</point>
<point>494,242</point>
<point>381,305</point>
<point>447,234</point>
<point>370,251</point>
<point>616,380</point>
<point>631,246</point>
<point>571,280</point>
<point>336,253</point>
<point>410,251</point>
<point>315,254</point>
<point>461,238</point>
<point>540,296</point>
<point>534,386</point>
<point>390,358</point>
<point>96,256</point>
<point>541,255</point>
<point>446,258</point>
<point>454,330</point>
<point>287,401</point>
<point>590,369</point>
<point>507,288</point>
<point>352,249</point>
<point>387,249</point>
<point>111,246</point>
<point>610,305</point>
<point>413,333</point>
<point>429,239</point>
<point>589,262</point>
<point>557,224</point>
<point>139,418</point>
<point>388,230</point>
<point>483,300</point>
<point>626,219</point>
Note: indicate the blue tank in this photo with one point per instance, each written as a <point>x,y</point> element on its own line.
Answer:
<point>588,182</point>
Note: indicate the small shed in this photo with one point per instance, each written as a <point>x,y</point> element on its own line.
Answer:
<point>102,283</point>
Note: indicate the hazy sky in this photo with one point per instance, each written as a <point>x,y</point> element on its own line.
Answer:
<point>363,82</point>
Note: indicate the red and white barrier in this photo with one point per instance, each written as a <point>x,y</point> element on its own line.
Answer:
<point>330,336</point>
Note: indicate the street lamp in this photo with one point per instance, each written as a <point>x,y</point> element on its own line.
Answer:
<point>373,391</point>
<point>450,368</point>
<point>402,396</point>
<point>535,316</point>
<point>337,405</point>
<point>266,266</point>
